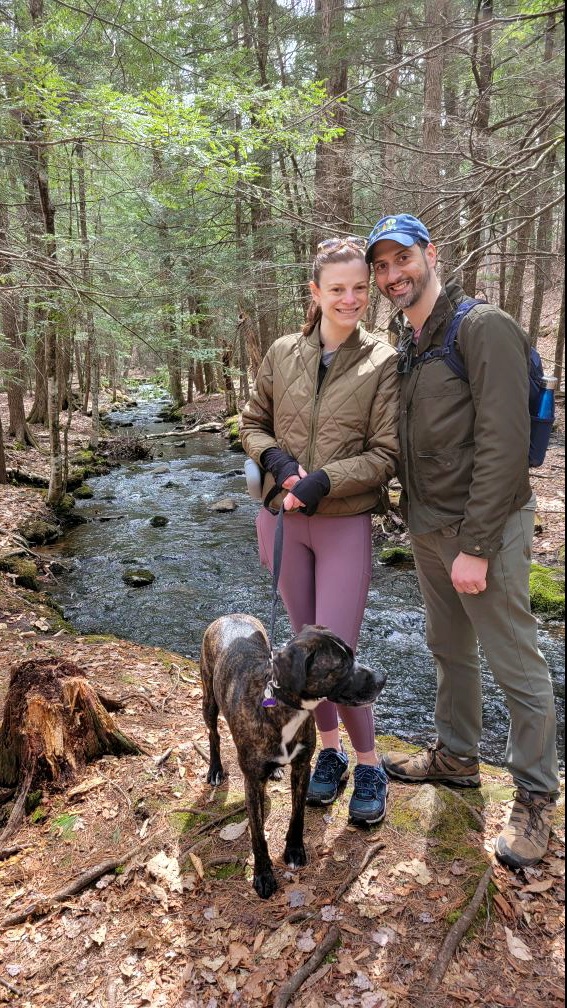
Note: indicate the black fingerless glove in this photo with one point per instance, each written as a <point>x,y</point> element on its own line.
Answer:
<point>311,489</point>
<point>280,464</point>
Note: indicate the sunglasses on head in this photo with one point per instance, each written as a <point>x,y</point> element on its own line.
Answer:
<point>336,243</point>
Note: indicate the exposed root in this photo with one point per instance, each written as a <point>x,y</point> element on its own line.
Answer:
<point>303,915</point>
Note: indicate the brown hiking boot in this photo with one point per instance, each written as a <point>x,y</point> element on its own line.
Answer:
<point>524,839</point>
<point>433,765</point>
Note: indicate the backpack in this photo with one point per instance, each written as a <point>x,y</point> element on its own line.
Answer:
<point>540,430</point>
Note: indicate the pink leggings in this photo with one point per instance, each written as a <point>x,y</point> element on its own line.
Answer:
<point>324,579</point>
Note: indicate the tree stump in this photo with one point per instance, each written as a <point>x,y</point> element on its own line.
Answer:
<point>53,724</point>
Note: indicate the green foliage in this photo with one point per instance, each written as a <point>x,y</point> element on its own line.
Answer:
<point>64,825</point>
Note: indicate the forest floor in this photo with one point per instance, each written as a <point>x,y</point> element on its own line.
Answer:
<point>178,924</point>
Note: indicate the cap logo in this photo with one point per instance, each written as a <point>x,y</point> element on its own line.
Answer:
<point>388,225</point>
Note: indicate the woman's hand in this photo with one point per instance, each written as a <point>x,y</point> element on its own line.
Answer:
<point>291,503</point>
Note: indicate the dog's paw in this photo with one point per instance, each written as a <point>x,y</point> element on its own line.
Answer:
<point>265,884</point>
<point>215,776</point>
<point>295,857</point>
<point>278,773</point>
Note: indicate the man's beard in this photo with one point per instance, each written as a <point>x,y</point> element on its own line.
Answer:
<point>411,296</point>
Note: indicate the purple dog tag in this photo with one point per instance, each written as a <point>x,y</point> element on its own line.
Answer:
<point>269,702</point>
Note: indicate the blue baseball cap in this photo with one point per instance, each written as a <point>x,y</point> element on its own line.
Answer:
<point>402,228</point>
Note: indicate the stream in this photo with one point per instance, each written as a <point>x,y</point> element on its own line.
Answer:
<point>206,564</point>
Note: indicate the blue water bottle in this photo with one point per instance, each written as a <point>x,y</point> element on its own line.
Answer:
<point>541,424</point>
<point>546,408</point>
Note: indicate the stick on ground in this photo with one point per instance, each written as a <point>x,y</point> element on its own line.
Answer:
<point>291,986</point>
<point>454,937</point>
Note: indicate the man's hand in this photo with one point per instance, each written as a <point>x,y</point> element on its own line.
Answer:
<point>468,574</point>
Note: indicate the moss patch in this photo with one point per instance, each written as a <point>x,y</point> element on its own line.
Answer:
<point>182,822</point>
<point>547,591</point>
<point>393,555</point>
<point>25,571</point>
<point>83,492</point>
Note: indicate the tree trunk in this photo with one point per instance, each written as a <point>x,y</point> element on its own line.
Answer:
<point>13,354</point>
<point>482,69</point>
<point>560,341</point>
<point>431,162</point>
<point>53,724</point>
<point>231,405</point>
<point>333,202</point>
<point>3,473</point>
<point>93,352</point>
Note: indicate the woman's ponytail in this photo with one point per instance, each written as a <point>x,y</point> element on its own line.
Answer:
<point>313,317</point>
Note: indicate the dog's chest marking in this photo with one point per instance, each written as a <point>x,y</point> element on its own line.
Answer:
<point>288,733</point>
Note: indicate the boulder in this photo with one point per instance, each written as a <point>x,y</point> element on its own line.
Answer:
<point>225,505</point>
<point>138,577</point>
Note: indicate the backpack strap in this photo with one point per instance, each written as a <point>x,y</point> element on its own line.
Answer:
<point>448,351</point>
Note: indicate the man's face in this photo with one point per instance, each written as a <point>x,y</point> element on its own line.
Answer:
<point>403,274</point>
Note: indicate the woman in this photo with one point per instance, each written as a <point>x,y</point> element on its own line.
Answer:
<point>322,422</point>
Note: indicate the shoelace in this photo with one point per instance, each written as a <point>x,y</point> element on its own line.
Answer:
<point>366,782</point>
<point>326,767</point>
<point>535,818</point>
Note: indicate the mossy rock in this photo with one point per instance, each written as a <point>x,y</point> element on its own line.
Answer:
<point>83,492</point>
<point>76,477</point>
<point>25,571</point>
<point>138,577</point>
<point>547,591</point>
<point>65,505</point>
<point>159,521</point>
<point>392,556</point>
<point>38,531</point>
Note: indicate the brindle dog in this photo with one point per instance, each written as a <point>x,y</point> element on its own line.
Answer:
<point>268,707</point>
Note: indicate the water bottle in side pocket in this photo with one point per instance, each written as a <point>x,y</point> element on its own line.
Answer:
<point>542,423</point>
<point>254,478</point>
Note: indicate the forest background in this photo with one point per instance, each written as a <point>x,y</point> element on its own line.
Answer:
<point>167,170</point>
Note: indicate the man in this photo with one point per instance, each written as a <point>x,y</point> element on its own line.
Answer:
<point>470,512</point>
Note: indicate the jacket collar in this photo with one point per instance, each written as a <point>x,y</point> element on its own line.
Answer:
<point>433,328</point>
<point>354,340</point>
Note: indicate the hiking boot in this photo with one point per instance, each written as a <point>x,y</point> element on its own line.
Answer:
<point>433,765</point>
<point>524,839</point>
<point>331,770</point>
<point>368,802</point>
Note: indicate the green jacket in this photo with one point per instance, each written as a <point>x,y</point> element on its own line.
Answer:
<point>348,428</point>
<point>464,447</point>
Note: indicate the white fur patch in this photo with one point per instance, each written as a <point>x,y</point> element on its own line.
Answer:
<point>288,734</point>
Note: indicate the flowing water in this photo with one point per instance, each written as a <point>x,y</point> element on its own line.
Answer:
<point>206,564</point>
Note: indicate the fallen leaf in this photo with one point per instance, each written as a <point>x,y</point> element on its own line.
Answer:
<point>537,887</point>
<point>305,941</point>
<point>166,869</point>
<point>275,944</point>
<point>331,913</point>
<point>415,868</point>
<point>517,947</point>
<point>234,830</point>
<point>99,936</point>
<point>197,864</point>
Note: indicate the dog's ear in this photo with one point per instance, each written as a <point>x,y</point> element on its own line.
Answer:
<point>291,666</point>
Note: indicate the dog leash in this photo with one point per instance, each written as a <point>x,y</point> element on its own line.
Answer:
<point>269,698</point>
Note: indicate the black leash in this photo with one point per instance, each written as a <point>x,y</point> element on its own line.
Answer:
<point>269,699</point>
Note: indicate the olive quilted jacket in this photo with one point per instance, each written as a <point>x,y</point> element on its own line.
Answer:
<point>349,427</point>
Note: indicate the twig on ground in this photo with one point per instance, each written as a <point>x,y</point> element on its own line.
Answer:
<point>158,760</point>
<point>11,988</point>
<point>293,984</point>
<point>9,852</point>
<point>212,822</point>
<point>202,752</point>
<point>302,915</point>
<point>454,937</point>
<point>43,905</point>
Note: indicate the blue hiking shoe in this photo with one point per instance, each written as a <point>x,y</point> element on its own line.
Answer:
<point>368,802</point>
<point>331,770</point>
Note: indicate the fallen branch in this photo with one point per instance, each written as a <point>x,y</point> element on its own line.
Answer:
<point>27,478</point>
<point>42,906</point>
<point>204,428</point>
<point>291,986</point>
<point>454,937</point>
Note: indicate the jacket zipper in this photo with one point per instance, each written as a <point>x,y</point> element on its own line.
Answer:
<point>316,404</point>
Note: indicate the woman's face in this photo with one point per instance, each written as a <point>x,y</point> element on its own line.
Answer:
<point>342,293</point>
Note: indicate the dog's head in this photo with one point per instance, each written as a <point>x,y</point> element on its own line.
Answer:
<point>317,665</point>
